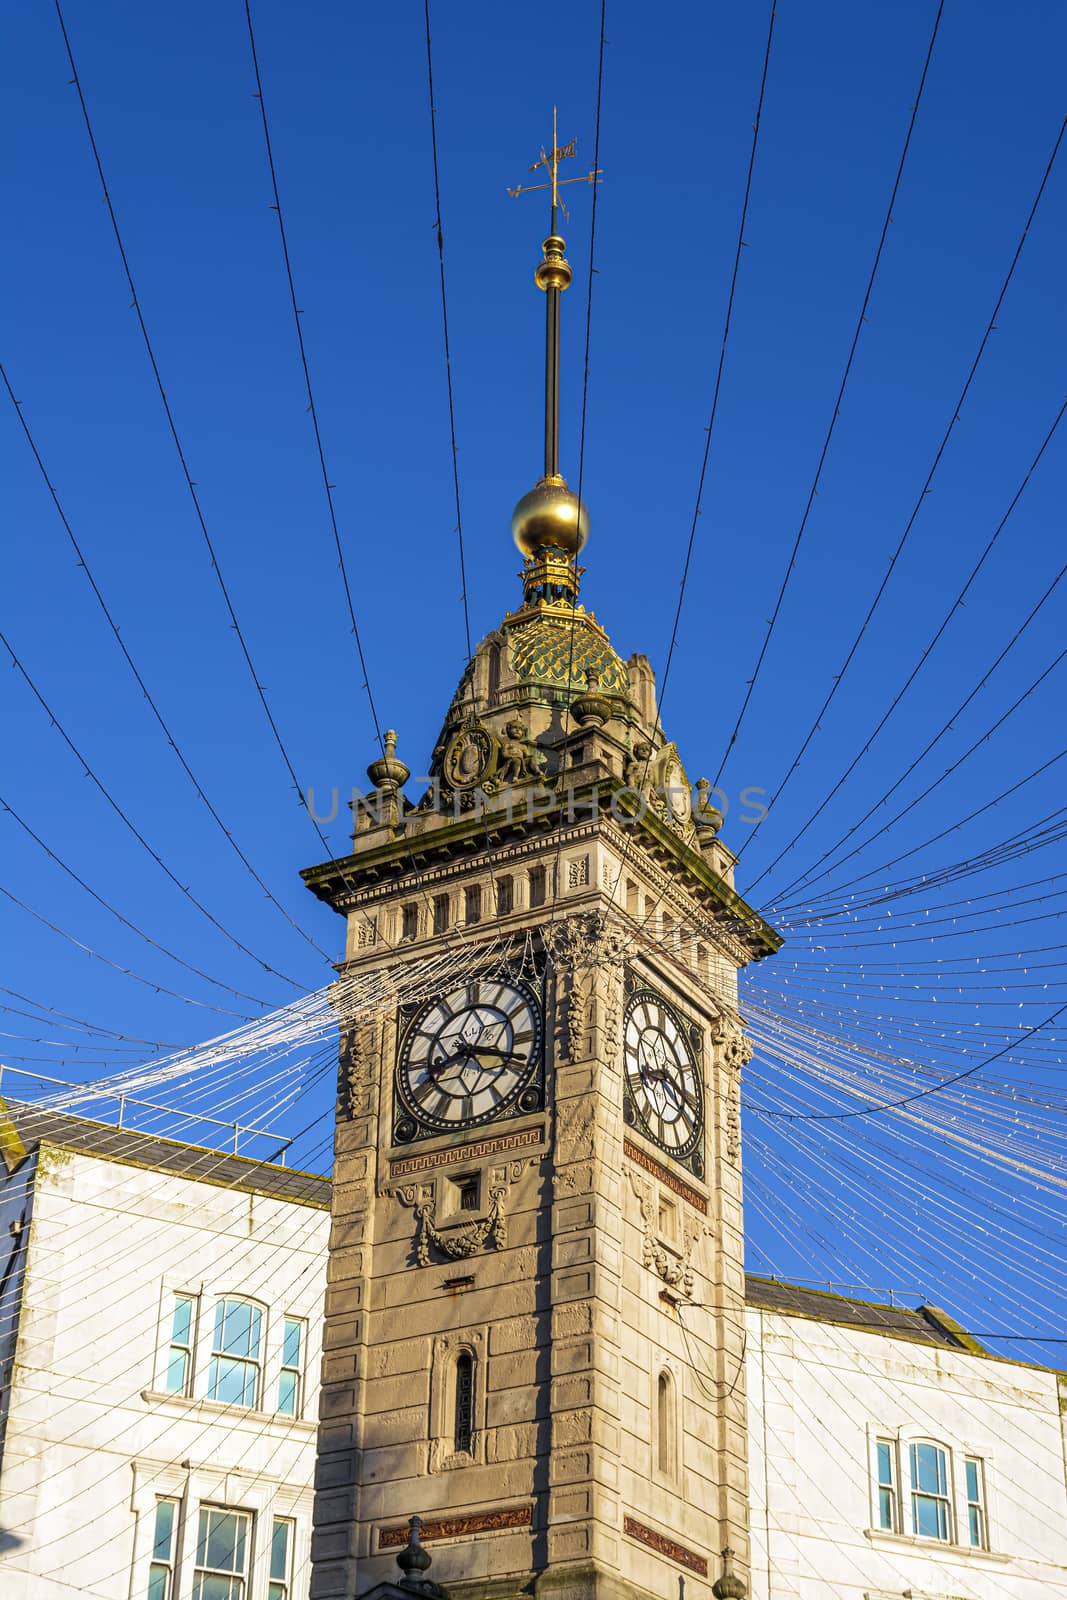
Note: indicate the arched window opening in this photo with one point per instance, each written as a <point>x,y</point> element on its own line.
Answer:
<point>236,1353</point>
<point>665,1424</point>
<point>931,1505</point>
<point>463,1425</point>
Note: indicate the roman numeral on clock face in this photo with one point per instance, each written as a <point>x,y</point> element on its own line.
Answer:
<point>663,1086</point>
<point>467,1056</point>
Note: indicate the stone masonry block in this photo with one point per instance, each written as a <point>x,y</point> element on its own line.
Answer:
<point>517,1333</point>
<point>344,1300</point>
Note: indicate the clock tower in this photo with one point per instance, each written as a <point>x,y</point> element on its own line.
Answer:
<point>534,1333</point>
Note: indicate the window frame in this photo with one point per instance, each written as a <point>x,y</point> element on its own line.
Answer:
<point>219,1354</point>
<point>188,1350</point>
<point>284,1367</point>
<point>960,1515</point>
<point>168,1563</point>
<point>205,1509</point>
<point>941,1498</point>
<point>978,1504</point>
<point>890,1486</point>
<point>462,1398</point>
<point>280,1586</point>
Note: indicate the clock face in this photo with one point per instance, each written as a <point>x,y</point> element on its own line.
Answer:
<point>469,1057</point>
<point>664,1094</point>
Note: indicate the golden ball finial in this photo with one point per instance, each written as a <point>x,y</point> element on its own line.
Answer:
<point>550,517</point>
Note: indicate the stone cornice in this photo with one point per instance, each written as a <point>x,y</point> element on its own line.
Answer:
<point>347,882</point>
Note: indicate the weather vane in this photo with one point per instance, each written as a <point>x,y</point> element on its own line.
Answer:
<point>550,160</point>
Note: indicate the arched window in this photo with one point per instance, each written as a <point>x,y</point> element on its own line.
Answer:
<point>665,1424</point>
<point>931,1504</point>
<point>236,1353</point>
<point>463,1403</point>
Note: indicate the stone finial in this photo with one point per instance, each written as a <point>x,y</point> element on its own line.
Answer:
<point>413,1562</point>
<point>728,1586</point>
<point>414,1559</point>
<point>592,708</point>
<point>706,816</point>
<point>388,772</point>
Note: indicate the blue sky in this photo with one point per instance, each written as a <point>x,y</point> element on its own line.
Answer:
<point>170,94</point>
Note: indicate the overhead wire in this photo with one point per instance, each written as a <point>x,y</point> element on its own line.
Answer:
<point>865,746</point>
<point>923,492</point>
<point>167,731</point>
<point>123,816</point>
<point>836,412</point>
<point>328,487</point>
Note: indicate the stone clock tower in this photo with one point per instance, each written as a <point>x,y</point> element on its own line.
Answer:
<point>534,1332</point>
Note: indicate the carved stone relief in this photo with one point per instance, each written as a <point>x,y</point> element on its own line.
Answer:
<point>584,949</point>
<point>458,1241</point>
<point>356,1072</point>
<point>674,1266</point>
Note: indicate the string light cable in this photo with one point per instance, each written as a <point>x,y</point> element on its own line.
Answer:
<point>328,487</point>
<point>440,237</point>
<point>572,628</point>
<point>956,605</point>
<point>924,491</point>
<point>836,412</point>
<point>199,972</point>
<point>116,632</point>
<point>127,972</point>
<point>708,437</point>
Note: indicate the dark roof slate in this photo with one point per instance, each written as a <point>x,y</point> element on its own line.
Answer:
<point>924,1324</point>
<point>35,1126</point>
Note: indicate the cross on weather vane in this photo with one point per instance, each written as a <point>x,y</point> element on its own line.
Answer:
<point>550,160</point>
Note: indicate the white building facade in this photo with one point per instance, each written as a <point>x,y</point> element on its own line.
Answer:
<point>159,1359</point>
<point>891,1458</point>
<point>160,1315</point>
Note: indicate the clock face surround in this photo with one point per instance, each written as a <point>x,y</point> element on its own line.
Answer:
<point>470,1056</point>
<point>664,1093</point>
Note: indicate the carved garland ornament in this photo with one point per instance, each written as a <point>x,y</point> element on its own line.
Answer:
<point>735,1052</point>
<point>583,948</point>
<point>675,1268</point>
<point>458,1243</point>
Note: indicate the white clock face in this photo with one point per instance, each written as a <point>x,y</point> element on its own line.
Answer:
<point>663,1084</point>
<point>469,1056</point>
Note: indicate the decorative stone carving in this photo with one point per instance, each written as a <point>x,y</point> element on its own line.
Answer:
<point>520,759</point>
<point>583,948</point>
<point>460,1241</point>
<point>470,756</point>
<point>733,1121</point>
<point>355,1074</point>
<point>675,1267</point>
<point>735,1047</point>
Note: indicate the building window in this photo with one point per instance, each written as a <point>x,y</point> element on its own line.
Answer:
<point>161,1570</point>
<point>180,1359</point>
<point>440,913</point>
<point>538,883</point>
<point>504,897</point>
<point>468,1194</point>
<point>289,1383</point>
<point>409,921</point>
<point>931,1508</point>
<point>222,1548</point>
<point>281,1560</point>
<point>474,903</point>
<point>888,1516</point>
<point>665,1424</point>
<point>235,1360</point>
<point>463,1424</point>
<point>976,1527</point>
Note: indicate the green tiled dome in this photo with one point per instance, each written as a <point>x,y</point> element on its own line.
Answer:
<point>544,648</point>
